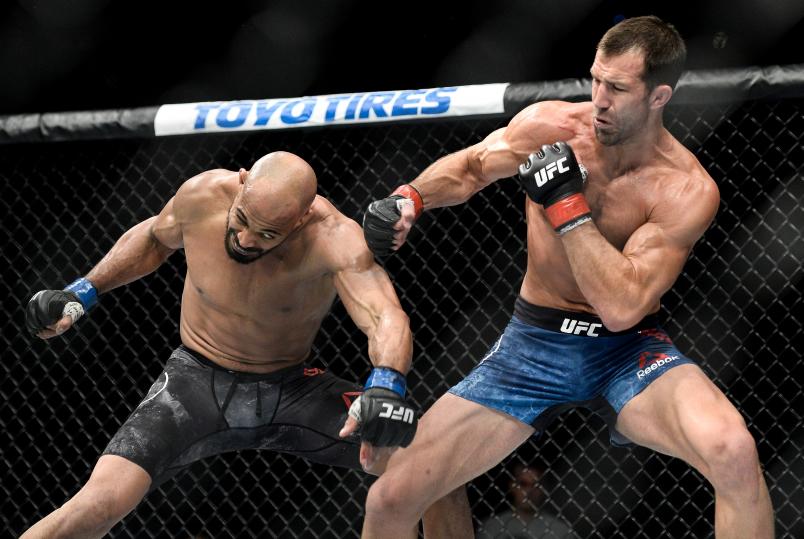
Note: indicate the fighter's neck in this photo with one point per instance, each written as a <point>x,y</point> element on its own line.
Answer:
<point>641,150</point>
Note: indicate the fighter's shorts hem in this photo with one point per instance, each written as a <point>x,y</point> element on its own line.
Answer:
<point>620,404</point>
<point>129,458</point>
<point>454,391</point>
<point>618,439</point>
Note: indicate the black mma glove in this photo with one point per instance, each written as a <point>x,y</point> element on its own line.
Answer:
<point>382,215</point>
<point>554,178</point>
<point>47,307</point>
<point>385,417</point>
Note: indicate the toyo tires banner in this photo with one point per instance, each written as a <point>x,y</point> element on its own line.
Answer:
<point>354,108</point>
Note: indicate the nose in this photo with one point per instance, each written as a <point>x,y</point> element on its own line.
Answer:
<point>246,239</point>
<point>600,97</point>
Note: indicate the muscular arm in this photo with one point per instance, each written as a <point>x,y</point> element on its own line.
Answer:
<point>625,286</point>
<point>139,251</point>
<point>455,178</point>
<point>370,299</point>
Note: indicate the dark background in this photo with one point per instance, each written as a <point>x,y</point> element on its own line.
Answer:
<point>736,307</point>
<point>90,54</point>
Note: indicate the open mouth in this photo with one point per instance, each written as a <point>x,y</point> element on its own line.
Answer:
<point>235,247</point>
<point>240,251</point>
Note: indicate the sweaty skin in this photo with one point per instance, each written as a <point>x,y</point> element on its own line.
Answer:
<point>651,201</point>
<point>650,198</point>
<point>623,198</point>
<point>263,315</point>
<point>258,317</point>
<point>265,258</point>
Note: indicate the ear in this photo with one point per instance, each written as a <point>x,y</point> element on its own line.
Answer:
<point>301,220</point>
<point>660,96</point>
<point>304,216</point>
<point>243,174</point>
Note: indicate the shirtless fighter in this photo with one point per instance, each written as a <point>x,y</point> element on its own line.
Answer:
<point>584,329</point>
<point>265,257</point>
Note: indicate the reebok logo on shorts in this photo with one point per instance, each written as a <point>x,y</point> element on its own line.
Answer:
<point>349,397</point>
<point>650,361</point>
<point>656,334</point>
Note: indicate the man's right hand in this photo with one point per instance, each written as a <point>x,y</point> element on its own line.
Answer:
<point>554,178</point>
<point>387,222</point>
<point>52,312</point>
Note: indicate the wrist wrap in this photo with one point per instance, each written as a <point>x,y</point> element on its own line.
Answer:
<point>387,378</point>
<point>85,291</point>
<point>568,213</point>
<point>410,192</point>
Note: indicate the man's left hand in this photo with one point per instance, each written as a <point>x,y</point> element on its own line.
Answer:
<point>383,419</point>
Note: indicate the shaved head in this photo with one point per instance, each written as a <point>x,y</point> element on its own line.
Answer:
<point>274,198</point>
<point>280,187</point>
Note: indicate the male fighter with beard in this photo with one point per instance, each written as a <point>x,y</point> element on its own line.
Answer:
<point>265,257</point>
<point>584,332</point>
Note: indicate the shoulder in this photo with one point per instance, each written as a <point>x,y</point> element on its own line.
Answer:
<point>338,240</point>
<point>201,193</point>
<point>560,114</point>
<point>548,121</point>
<point>688,196</point>
<point>207,184</point>
<point>692,181</point>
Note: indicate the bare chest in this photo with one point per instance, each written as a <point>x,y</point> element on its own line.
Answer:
<point>619,205</point>
<point>291,287</point>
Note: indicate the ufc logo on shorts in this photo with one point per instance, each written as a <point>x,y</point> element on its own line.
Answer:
<point>400,413</point>
<point>549,171</point>
<point>576,327</point>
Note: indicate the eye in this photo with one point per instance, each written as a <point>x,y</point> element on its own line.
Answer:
<point>267,236</point>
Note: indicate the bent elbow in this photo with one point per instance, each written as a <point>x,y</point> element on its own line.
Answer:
<point>401,319</point>
<point>620,318</point>
<point>474,170</point>
<point>392,324</point>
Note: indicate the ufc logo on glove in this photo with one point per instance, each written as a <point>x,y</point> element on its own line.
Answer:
<point>547,173</point>
<point>400,413</point>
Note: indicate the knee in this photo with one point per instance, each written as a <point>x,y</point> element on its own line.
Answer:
<point>390,499</point>
<point>730,456</point>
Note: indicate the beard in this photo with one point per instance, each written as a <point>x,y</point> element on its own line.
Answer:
<point>623,131</point>
<point>239,254</point>
<point>613,136</point>
<point>608,137</point>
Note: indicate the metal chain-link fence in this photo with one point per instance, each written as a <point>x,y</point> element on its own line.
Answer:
<point>736,308</point>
